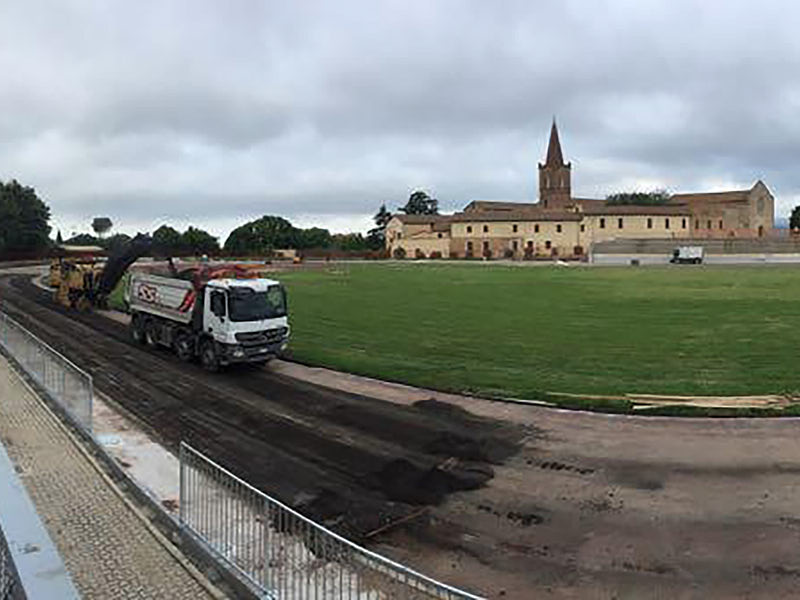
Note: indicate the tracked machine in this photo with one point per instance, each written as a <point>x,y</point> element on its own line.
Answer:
<point>85,282</point>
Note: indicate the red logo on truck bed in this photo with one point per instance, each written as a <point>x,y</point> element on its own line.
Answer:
<point>147,293</point>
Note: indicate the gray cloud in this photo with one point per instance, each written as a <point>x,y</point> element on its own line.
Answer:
<point>213,112</point>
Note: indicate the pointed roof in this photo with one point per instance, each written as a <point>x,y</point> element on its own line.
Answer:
<point>554,156</point>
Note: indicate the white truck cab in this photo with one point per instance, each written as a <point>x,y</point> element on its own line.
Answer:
<point>683,255</point>
<point>246,317</point>
<point>226,321</point>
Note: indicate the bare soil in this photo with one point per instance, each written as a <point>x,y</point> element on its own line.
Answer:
<point>522,502</point>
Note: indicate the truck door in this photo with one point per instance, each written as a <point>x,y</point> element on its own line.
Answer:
<point>215,314</point>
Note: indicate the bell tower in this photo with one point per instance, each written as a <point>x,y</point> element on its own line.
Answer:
<point>555,189</point>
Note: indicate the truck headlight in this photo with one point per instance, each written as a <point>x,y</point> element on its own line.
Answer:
<point>238,352</point>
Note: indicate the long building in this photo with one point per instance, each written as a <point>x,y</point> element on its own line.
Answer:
<point>565,226</point>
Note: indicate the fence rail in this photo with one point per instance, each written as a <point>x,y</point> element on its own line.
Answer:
<point>10,588</point>
<point>276,551</point>
<point>70,386</point>
<point>281,553</point>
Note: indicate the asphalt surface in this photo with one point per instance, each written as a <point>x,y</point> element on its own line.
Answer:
<point>521,502</point>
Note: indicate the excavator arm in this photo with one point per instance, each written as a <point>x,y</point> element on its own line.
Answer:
<point>117,263</point>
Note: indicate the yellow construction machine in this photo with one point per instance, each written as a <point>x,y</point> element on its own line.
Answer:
<point>65,256</point>
<point>82,281</point>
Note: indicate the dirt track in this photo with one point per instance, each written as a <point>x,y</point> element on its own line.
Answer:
<point>579,505</point>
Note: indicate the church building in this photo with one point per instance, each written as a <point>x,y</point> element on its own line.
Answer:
<point>561,225</point>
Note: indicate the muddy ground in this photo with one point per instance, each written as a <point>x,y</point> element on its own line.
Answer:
<point>522,502</point>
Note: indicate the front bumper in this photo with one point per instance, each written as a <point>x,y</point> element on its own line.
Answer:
<point>243,353</point>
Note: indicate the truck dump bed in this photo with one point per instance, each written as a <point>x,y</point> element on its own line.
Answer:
<point>166,297</point>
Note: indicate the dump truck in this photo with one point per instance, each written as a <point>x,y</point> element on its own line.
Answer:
<point>687,255</point>
<point>221,316</point>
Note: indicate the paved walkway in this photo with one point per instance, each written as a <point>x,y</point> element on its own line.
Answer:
<point>108,550</point>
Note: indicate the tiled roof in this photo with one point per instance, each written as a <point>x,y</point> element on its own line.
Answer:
<point>520,215</point>
<point>490,205</point>
<point>635,209</point>
<point>730,196</point>
<point>422,219</point>
<point>589,200</point>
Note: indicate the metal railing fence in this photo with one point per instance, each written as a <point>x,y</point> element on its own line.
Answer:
<point>281,553</point>
<point>66,383</point>
<point>9,584</point>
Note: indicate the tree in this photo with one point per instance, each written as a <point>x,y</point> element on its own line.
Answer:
<point>314,237</point>
<point>261,237</point>
<point>376,237</point>
<point>199,242</point>
<point>23,220</point>
<point>653,198</point>
<point>115,241</point>
<point>349,242</point>
<point>167,241</point>
<point>101,225</point>
<point>794,220</point>
<point>83,239</point>
<point>419,203</point>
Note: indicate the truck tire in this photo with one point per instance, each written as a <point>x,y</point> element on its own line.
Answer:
<point>151,333</point>
<point>184,347</point>
<point>137,329</point>
<point>208,356</point>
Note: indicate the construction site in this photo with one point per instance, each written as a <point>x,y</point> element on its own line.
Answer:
<point>498,498</point>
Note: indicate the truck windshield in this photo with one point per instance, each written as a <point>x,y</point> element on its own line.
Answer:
<point>246,304</point>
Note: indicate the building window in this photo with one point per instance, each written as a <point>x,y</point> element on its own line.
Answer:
<point>485,229</point>
<point>583,227</point>
<point>399,235</point>
<point>547,245</point>
<point>514,227</point>
<point>536,228</point>
<point>440,236</point>
<point>708,224</point>
<point>666,223</point>
<point>683,223</point>
<point>469,248</point>
<point>558,227</point>
<point>649,223</point>
<point>469,228</point>
<point>720,223</point>
<point>697,223</point>
<point>619,223</point>
<point>602,223</point>
<point>530,245</point>
<point>514,244</point>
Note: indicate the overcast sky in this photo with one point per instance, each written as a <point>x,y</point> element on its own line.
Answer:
<point>218,112</point>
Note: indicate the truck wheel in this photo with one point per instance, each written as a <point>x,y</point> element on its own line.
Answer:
<point>151,333</point>
<point>184,348</point>
<point>137,329</point>
<point>208,356</point>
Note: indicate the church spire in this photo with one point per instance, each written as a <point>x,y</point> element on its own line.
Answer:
<point>555,190</point>
<point>554,156</point>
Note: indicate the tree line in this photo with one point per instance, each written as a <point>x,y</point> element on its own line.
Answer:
<point>25,231</point>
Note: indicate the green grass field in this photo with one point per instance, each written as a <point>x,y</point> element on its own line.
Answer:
<point>522,331</point>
